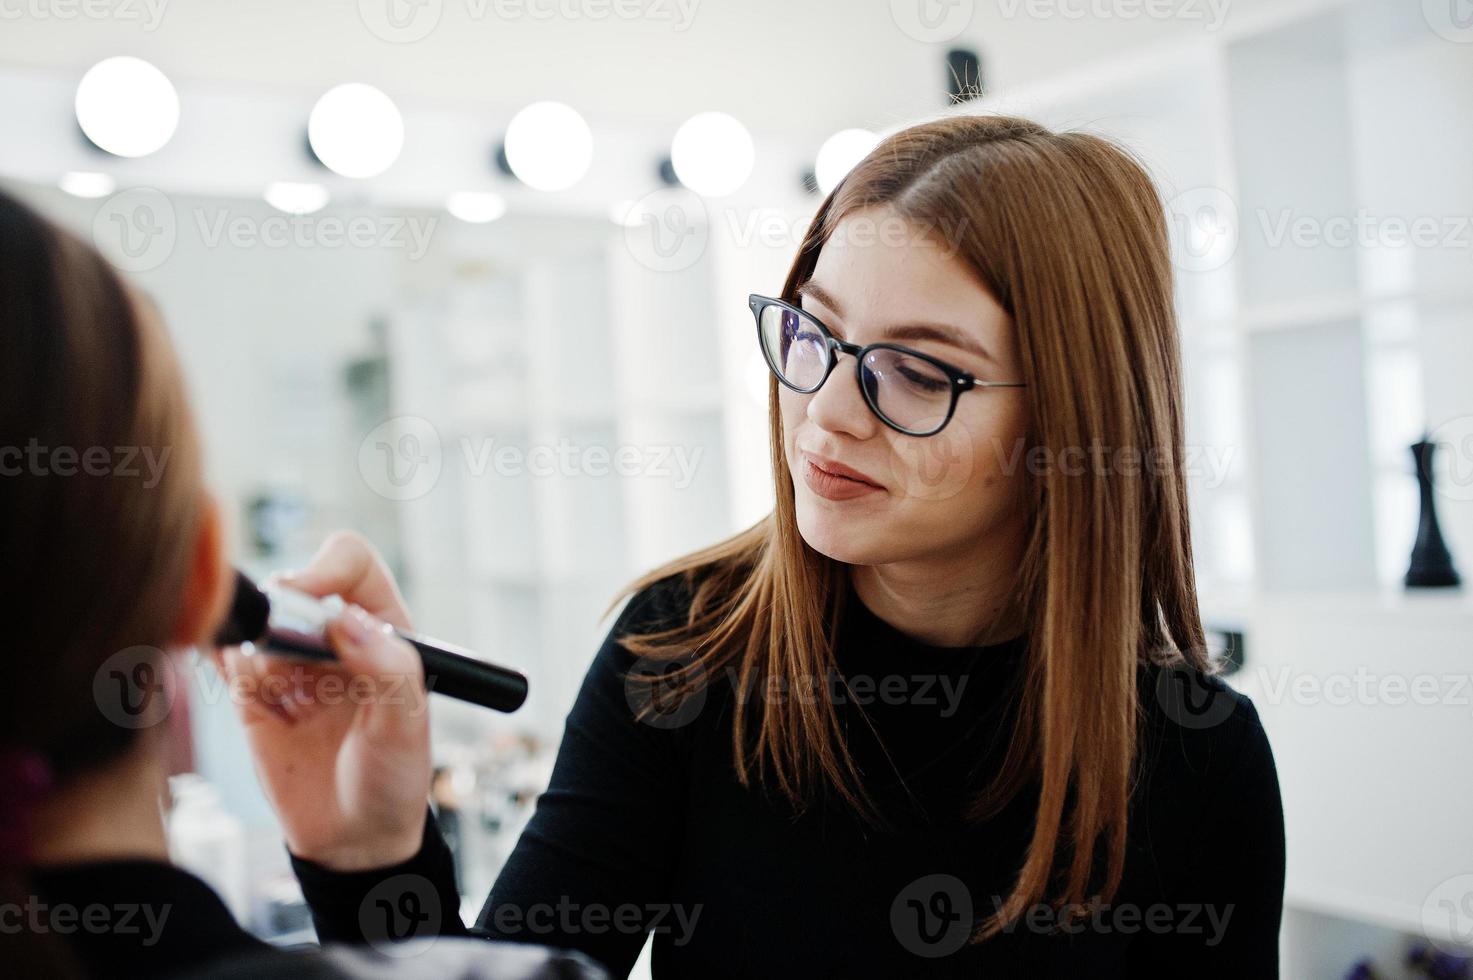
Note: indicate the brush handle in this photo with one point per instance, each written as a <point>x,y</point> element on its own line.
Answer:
<point>296,624</point>
<point>465,678</point>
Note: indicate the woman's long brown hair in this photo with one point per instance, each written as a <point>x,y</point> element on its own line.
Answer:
<point>96,547</point>
<point>1067,232</point>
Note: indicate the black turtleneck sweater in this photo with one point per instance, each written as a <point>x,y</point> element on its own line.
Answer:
<point>646,827</point>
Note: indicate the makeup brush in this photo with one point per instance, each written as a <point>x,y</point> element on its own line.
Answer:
<point>284,621</point>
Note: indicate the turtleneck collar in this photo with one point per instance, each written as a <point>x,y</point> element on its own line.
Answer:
<point>869,643</point>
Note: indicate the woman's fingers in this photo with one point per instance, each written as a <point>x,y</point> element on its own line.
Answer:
<point>348,565</point>
<point>284,689</point>
<point>248,687</point>
<point>367,647</point>
<point>374,669</point>
<point>366,643</point>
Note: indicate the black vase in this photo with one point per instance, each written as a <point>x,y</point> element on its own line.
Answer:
<point>1432,565</point>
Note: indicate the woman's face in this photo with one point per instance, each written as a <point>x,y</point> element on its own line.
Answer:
<point>947,496</point>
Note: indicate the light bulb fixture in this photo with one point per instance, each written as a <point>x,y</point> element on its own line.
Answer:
<point>296,198</point>
<point>355,130</point>
<point>79,183</point>
<point>127,107</point>
<point>712,154</point>
<point>548,146</point>
<point>838,155</point>
<point>475,207</point>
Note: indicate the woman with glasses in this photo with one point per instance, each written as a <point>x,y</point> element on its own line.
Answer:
<point>947,710</point>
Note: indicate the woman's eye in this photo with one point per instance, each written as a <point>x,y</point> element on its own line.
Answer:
<point>924,379</point>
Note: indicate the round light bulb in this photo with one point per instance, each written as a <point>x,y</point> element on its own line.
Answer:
<point>712,154</point>
<point>838,155</point>
<point>475,207</point>
<point>127,107</point>
<point>548,146</point>
<point>356,130</point>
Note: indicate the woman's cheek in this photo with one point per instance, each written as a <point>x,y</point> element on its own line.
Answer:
<point>935,468</point>
<point>791,415</point>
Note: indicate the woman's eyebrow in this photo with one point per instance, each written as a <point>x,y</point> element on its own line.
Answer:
<point>811,288</point>
<point>944,333</point>
<point>939,332</point>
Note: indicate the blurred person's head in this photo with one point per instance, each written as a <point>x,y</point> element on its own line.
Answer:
<point>1045,257</point>
<point>112,545</point>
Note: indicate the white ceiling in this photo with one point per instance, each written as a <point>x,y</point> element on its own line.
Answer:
<point>784,67</point>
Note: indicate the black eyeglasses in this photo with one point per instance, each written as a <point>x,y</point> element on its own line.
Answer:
<point>909,391</point>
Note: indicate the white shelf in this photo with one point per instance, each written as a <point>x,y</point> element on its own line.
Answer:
<point>1447,606</point>
<point>1313,311</point>
<point>1301,313</point>
<point>1351,905</point>
<point>1359,692</point>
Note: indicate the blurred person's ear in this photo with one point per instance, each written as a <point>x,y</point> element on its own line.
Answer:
<point>207,590</point>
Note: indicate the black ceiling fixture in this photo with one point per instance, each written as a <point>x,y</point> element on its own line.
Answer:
<point>963,75</point>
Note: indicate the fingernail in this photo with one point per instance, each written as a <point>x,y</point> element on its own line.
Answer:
<point>357,624</point>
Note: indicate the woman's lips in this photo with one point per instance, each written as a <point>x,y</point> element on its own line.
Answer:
<point>833,481</point>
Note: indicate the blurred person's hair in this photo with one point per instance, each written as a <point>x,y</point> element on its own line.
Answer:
<point>96,550</point>
<point>1067,232</point>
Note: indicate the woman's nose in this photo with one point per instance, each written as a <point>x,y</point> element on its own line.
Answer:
<point>839,405</point>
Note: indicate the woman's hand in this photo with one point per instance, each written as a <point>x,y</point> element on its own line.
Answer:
<point>342,749</point>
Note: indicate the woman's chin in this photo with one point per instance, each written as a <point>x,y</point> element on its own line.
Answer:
<point>851,540</point>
